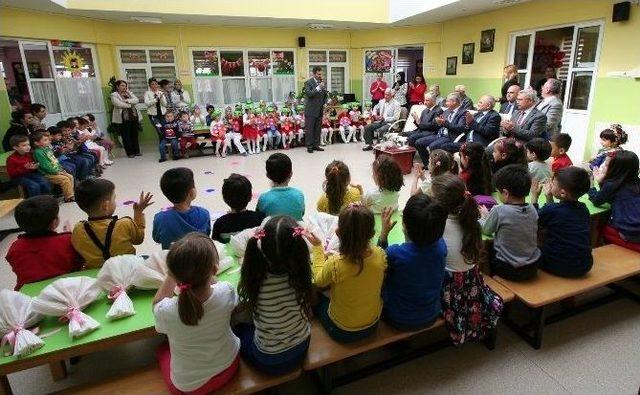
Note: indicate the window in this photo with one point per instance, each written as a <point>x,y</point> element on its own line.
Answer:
<point>584,63</point>
<point>140,64</point>
<point>78,84</point>
<point>334,64</point>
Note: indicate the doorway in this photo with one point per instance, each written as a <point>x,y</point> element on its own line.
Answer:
<point>389,61</point>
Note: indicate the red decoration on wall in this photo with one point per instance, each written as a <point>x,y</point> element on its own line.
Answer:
<point>547,55</point>
<point>260,64</point>
<point>230,67</point>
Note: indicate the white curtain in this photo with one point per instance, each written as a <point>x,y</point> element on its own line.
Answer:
<point>207,91</point>
<point>234,90</point>
<point>80,95</point>
<point>260,89</point>
<point>44,92</point>
<point>282,85</point>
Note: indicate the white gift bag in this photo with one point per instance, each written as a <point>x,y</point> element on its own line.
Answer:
<point>116,277</point>
<point>324,226</point>
<point>238,242</point>
<point>152,272</point>
<point>65,298</point>
<point>16,316</point>
<point>225,260</point>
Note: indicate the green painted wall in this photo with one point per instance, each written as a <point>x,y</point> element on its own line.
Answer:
<point>5,111</point>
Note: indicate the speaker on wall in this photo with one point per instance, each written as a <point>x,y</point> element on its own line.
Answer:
<point>621,11</point>
<point>302,42</point>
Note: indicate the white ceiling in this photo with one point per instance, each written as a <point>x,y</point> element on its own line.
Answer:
<point>458,8</point>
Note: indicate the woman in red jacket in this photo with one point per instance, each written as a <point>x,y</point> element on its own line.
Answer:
<point>416,90</point>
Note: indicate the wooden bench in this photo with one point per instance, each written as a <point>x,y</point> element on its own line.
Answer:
<point>611,263</point>
<point>149,381</point>
<point>324,352</point>
<point>7,224</point>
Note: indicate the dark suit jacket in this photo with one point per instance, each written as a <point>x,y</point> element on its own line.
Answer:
<point>487,129</point>
<point>504,108</point>
<point>534,125</point>
<point>467,104</point>
<point>428,119</point>
<point>314,99</point>
<point>457,126</point>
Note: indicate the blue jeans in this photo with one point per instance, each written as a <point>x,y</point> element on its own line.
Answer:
<point>34,184</point>
<point>83,165</point>
<point>175,148</point>
<point>274,137</point>
<point>68,166</point>
<point>338,334</point>
<point>271,364</point>
<point>426,144</point>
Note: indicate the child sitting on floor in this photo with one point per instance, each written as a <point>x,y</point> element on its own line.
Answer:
<point>620,186</point>
<point>104,235</point>
<point>40,252</point>
<point>507,152</point>
<point>470,309</point>
<point>475,169</point>
<point>566,250</point>
<point>171,224</point>
<point>560,144</point>
<point>276,285</point>
<point>440,162</point>
<point>338,191</point>
<point>515,225</point>
<point>236,193</point>
<point>387,176</point>
<point>354,277</point>
<point>203,353</point>
<point>49,166</point>
<point>188,140</point>
<point>411,291</point>
<point>538,151</point>
<point>23,169</point>
<point>611,140</point>
<point>281,199</point>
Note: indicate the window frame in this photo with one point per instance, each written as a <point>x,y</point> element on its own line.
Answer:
<point>328,64</point>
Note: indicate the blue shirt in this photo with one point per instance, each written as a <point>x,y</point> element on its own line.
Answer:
<point>412,287</point>
<point>282,201</point>
<point>567,242</point>
<point>625,207</point>
<point>171,225</point>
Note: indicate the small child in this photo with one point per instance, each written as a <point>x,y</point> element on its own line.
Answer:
<point>170,225</point>
<point>387,176</point>
<point>210,111</point>
<point>515,224</point>
<point>507,152</point>
<point>75,152</point>
<point>104,235</point>
<point>566,250</point>
<point>273,133</point>
<point>203,353</point>
<point>440,162</point>
<point>98,135</point>
<point>475,169</point>
<point>538,151</point>
<point>185,132</point>
<point>620,186</point>
<point>326,132</point>
<point>356,122</point>
<point>23,169</point>
<point>287,128</point>
<point>219,136</point>
<point>250,131</point>
<point>276,285</point>
<point>354,277</point>
<point>338,191</point>
<point>411,291</point>
<point>560,144</point>
<point>84,132</point>
<point>236,193</point>
<point>169,130</point>
<point>233,134</point>
<point>198,119</point>
<point>261,126</point>
<point>470,309</point>
<point>346,128</point>
<point>299,121</point>
<point>281,199</point>
<point>49,166</point>
<point>41,253</point>
<point>611,140</point>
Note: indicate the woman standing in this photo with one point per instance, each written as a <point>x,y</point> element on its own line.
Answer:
<point>400,89</point>
<point>510,78</point>
<point>417,88</point>
<point>156,102</point>
<point>126,117</point>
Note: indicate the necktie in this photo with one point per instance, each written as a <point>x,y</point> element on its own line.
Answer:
<point>521,118</point>
<point>158,109</point>
<point>510,109</point>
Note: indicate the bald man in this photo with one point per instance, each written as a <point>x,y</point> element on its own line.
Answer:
<point>483,127</point>
<point>509,106</point>
<point>386,112</point>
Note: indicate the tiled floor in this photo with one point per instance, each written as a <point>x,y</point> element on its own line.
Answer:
<point>596,352</point>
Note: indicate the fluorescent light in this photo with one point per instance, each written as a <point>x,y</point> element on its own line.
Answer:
<point>146,19</point>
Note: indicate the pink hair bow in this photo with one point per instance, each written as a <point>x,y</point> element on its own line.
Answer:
<point>184,286</point>
<point>298,231</point>
<point>259,234</point>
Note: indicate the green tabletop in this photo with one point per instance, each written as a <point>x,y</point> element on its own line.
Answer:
<point>397,235</point>
<point>593,210</point>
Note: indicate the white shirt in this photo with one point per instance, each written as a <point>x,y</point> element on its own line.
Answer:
<point>199,352</point>
<point>377,200</point>
<point>453,239</point>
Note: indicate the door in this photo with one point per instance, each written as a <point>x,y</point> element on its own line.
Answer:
<point>522,56</point>
<point>378,60</point>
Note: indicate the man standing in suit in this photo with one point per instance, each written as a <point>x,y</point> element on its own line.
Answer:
<point>315,93</point>
<point>427,125</point>
<point>551,105</point>
<point>527,122</point>
<point>509,106</point>
<point>451,124</point>
<point>483,127</point>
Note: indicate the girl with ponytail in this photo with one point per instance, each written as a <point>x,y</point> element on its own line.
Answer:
<point>471,310</point>
<point>338,193</point>
<point>202,353</point>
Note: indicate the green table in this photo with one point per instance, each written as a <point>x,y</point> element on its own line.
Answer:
<point>593,210</point>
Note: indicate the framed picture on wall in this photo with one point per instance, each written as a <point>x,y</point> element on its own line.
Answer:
<point>487,37</point>
<point>468,50</point>
<point>452,65</point>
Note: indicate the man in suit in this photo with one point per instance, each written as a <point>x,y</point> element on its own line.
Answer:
<point>451,124</point>
<point>527,122</point>
<point>551,105</point>
<point>483,127</point>
<point>386,112</point>
<point>465,101</point>
<point>315,93</point>
<point>509,106</point>
<point>427,125</point>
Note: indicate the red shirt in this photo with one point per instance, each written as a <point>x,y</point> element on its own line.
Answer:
<point>16,162</point>
<point>560,162</point>
<point>36,258</point>
<point>415,93</point>
<point>377,89</point>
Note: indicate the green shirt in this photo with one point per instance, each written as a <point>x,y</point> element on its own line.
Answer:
<point>49,165</point>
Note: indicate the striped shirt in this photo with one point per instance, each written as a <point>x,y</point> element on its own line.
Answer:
<point>279,321</point>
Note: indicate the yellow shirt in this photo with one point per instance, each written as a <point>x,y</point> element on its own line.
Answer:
<point>126,234</point>
<point>355,303</point>
<point>351,196</point>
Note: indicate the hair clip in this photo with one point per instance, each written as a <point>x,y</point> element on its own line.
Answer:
<point>184,286</point>
<point>334,170</point>
<point>612,154</point>
<point>354,205</point>
<point>259,234</point>
<point>298,231</point>
<point>438,163</point>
